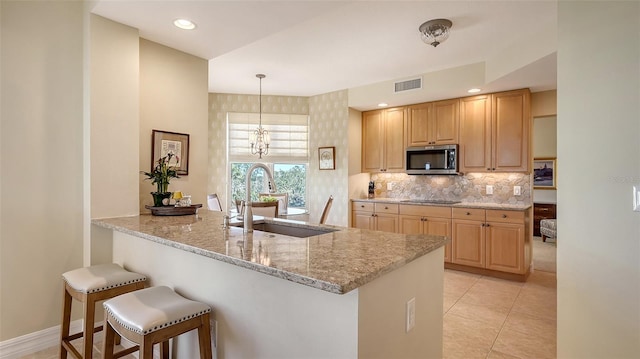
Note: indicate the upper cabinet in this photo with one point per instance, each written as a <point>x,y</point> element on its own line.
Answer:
<point>433,123</point>
<point>383,142</point>
<point>495,132</point>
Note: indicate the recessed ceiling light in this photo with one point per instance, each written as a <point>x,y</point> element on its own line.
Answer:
<point>184,24</point>
<point>474,90</point>
<point>382,104</point>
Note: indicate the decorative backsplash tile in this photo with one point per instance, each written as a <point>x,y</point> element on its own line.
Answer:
<point>466,188</point>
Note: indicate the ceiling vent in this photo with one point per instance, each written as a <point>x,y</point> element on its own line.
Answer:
<point>413,84</point>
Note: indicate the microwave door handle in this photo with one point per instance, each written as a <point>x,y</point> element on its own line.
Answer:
<point>446,159</point>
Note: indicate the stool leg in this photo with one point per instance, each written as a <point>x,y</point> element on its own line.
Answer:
<point>146,349</point>
<point>66,319</point>
<point>109,339</point>
<point>204,337</point>
<point>89,323</point>
<point>164,346</point>
<point>544,238</point>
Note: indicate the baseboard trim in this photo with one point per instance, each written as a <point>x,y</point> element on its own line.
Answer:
<point>34,342</point>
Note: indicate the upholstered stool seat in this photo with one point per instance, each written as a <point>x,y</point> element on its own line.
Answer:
<point>90,285</point>
<point>154,315</point>
<point>548,229</point>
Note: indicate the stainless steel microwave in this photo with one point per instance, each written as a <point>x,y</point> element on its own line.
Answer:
<point>432,160</point>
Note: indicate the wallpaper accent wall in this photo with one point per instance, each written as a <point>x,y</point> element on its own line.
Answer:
<point>219,105</point>
<point>329,126</point>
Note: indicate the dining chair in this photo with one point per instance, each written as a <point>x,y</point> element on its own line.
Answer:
<point>325,212</point>
<point>214,202</point>
<point>264,209</point>
<point>283,201</point>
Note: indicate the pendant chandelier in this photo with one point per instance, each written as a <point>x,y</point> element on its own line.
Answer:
<point>260,138</point>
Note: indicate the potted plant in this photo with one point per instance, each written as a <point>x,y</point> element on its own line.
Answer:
<point>160,175</point>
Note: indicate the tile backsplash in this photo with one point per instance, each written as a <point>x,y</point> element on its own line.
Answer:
<point>470,187</point>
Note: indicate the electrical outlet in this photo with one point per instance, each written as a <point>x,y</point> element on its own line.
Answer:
<point>411,314</point>
<point>489,189</point>
<point>636,198</point>
<point>517,191</point>
<point>390,186</point>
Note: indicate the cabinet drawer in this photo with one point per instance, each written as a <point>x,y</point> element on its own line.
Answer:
<point>505,216</point>
<point>362,206</point>
<point>425,211</point>
<point>473,214</point>
<point>386,208</point>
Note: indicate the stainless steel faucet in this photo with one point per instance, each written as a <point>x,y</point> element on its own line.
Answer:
<point>248,215</point>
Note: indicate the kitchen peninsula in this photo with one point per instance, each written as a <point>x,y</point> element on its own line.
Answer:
<point>339,293</point>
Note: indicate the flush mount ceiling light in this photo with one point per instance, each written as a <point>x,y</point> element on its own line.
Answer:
<point>260,138</point>
<point>184,24</point>
<point>434,32</point>
<point>474,90</point>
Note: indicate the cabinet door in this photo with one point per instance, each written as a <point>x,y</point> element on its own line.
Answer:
<point>475,134</point>
<point>363,220</point>
<point>418,125</point>
<point>410,225</point>
<point>505,247</point>
<point>444,120</point>
<point>468,243</point>
<point>372,141</point>
<point>439,227</point>
<point>511,131</point>
<point>394,140</point>
<point>386,223</point>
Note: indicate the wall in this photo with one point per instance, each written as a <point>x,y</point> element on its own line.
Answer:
<point>219,105</point>
<point>41,222</point>
<point>543,112</point>
<point>174,97</point>
<point>329,119</point>
<point>598,247</point>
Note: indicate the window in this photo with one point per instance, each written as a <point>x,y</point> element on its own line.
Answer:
<point>288,157</point>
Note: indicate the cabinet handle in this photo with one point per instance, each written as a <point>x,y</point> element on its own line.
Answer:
<point>385,207</point>
<point>543,209</point>
<point>468,213</point>
<point>504,216</point>
<point>362,205</point>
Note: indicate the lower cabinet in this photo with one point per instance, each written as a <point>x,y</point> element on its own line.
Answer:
<point>490,239</point>
<point>375,216</point>
<point>427,220</point>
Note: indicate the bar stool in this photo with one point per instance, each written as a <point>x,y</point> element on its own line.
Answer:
<point>90,285</point>
<point>154,315</point>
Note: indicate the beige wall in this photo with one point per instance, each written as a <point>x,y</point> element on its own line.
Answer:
<point>598,246</point>
<point>173,97</point>
<point>544,144</point>
<point>41,223</point>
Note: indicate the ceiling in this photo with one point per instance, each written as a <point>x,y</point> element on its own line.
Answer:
<point>309,48</point>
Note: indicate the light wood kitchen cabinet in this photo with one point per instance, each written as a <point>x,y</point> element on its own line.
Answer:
<point>495,132</point>
<point>433,123</point>
<point>383,140</point>
<point>491,239</point>
<point>427,220</point>
<point>375,216</point>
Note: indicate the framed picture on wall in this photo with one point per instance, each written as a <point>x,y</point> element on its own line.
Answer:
<point>164,142</point>
<point>327,157</point>
<point>544,173</point>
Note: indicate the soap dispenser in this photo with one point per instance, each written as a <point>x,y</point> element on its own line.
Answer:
<point>248,218</point>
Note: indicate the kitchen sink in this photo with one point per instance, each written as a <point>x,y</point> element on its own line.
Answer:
<point>292,231</point>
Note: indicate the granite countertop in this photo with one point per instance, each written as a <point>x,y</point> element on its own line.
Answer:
<point>480,205</point>
<point>337,262</point>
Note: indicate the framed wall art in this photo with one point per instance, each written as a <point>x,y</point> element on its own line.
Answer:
<point>164,142</point>
<point>327,157</point>
<point>544,173</point>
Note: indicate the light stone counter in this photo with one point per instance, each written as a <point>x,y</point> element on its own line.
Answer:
<point>479,205</point>
<point>336,262</point>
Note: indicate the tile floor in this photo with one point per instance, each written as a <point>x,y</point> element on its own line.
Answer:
<point>484,318</point>
<point>491,318</point>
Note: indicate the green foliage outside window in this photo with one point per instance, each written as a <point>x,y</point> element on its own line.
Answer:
<point>289,178</point>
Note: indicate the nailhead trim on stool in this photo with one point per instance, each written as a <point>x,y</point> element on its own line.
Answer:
<point>90,285</point>
<point>157,312</point>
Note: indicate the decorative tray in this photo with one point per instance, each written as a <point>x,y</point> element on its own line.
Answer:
<point>173,210</point>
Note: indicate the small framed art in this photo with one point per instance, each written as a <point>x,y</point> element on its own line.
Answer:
<point>163,143</point>
<point>327,157</point>
<point>544,173</point>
